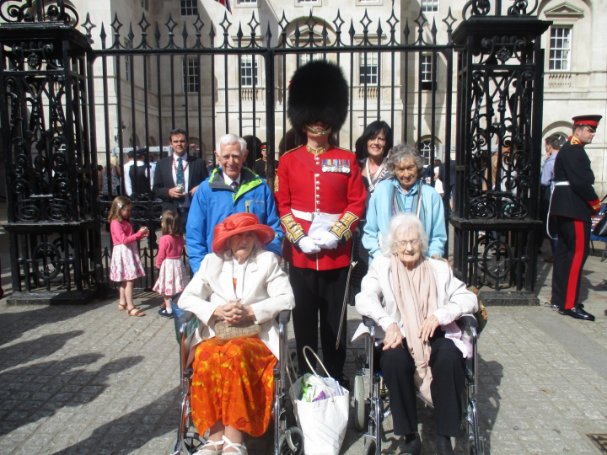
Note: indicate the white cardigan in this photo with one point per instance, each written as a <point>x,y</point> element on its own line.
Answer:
<point>376,299</point>
<point>266,288</point>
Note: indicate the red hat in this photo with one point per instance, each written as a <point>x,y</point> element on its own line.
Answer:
<point>238,224</point>
<point>587,120</point>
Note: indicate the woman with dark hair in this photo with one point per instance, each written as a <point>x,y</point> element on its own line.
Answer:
<point>371,150</point>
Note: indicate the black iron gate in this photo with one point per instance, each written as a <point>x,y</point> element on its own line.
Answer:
<point>136,80</point>
<point>234,78</point>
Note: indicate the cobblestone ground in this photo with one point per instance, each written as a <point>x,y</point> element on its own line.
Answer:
<point>89,379</point>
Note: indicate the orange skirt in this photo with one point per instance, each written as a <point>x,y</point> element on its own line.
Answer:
<point>233,382</point>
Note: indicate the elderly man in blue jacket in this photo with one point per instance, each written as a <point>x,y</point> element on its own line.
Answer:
<point>230,188</point>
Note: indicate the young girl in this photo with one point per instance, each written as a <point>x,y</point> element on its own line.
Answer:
<point>125,266</point>
<point>171,278</point>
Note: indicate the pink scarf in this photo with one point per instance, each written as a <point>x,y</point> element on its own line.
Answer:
<point>415,293</point>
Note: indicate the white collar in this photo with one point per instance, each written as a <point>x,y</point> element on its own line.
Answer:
<point>228,181</point>
<point>184,156</point>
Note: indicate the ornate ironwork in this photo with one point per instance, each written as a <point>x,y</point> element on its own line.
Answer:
<point>498,152</point>
<point>38,11</point>
<point>51,170</point>
<point>497,106</point>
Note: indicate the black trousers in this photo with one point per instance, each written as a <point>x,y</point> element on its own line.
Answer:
<point>319,293</point>
<point>572,249</point>
<point>448,382</point>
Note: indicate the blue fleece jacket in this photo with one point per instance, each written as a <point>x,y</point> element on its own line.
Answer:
<point>214,201</point>
<point>381,209</point>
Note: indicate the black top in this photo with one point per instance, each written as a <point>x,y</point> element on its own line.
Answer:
<point>574,200</point>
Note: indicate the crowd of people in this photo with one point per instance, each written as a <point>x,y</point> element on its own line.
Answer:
<point>327,205</point>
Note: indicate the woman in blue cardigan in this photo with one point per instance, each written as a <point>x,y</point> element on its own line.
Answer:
<point>405,192</point>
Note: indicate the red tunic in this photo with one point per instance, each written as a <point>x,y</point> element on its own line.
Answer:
<point>329,182</point>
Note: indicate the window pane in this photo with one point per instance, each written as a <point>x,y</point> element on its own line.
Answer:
<point>429,6</point>
<point>248,71</point>
<point>189,7</point>
<point>560,48</point>
<point>191,74</point>
<point>369,69</point>
<point>426,68</point>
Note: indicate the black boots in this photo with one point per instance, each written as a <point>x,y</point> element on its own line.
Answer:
<point>578,313</point>
<point>443,445</point>
<point>410,445</point>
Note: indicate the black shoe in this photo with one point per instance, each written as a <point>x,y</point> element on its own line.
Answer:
<point>165,314</point>
<point>412,445</point>
<point>554,306</point>
<point>443,445</point>
<point>577,313</point>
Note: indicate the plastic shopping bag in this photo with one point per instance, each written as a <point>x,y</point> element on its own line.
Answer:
<point>321,408</point>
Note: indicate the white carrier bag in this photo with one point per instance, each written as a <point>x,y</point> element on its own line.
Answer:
<point>321,408</point>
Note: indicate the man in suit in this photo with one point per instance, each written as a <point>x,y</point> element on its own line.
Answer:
<point>231,188</point>
<point>177,176</point>
<point>573,202</point>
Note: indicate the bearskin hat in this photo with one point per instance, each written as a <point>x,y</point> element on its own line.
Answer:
<point>318,92</point>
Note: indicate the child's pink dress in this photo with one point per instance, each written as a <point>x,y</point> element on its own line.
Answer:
<point>125,264</point>
<point>172,276</point>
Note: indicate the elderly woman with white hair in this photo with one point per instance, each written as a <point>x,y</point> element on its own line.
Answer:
<point>415,301</point>
<point>239,287</point>
<point>405,192</point>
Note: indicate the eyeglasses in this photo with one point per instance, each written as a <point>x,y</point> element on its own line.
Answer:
<point>413,243</point>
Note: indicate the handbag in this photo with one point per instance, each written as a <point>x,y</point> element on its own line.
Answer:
<point>321,408</point>
<point>481,314</point>
<point>600,228</point>
<point>225,331</point>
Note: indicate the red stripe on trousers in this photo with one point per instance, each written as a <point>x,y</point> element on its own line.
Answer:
<point>576,264</point>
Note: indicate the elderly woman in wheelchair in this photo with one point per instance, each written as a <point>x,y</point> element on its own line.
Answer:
<point>415,302</point>
<point>236,295</point>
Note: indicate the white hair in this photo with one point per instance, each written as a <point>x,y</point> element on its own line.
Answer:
<point>400,223</point>
<point>229,139</point>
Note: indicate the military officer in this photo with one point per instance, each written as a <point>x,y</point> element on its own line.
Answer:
<point>321,198</point>
<point>572,204</point>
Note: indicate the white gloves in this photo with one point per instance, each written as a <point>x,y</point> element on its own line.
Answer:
<point>325,240</point>
<point>307,245</point>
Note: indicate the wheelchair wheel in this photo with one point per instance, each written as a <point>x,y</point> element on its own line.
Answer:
<point>291,442</point>
<point>192,441</point>
<point>371,448</point>
<point>360,400</point>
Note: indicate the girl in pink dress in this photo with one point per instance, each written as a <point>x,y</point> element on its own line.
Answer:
<point>125,266</point>
<point>171,277</point>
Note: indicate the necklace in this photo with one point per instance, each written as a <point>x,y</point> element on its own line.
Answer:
<point>373,176</point>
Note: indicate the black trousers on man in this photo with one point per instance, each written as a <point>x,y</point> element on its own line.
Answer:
<point>319,294</point>
<point>572,249</point>
<point>448,382</point>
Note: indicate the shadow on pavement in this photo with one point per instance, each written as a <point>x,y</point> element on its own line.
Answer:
<point>28,351</point>
<point>490,374</point>
<point>37,391</point>
<point>133,430</point>
<point>14,325</point>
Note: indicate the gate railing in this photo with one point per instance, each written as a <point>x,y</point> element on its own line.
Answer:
<point>238,83</point>
<point>141,79</point>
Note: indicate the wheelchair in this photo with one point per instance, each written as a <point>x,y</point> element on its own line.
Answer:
<point>288,439</point>
<point>371,408</point>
